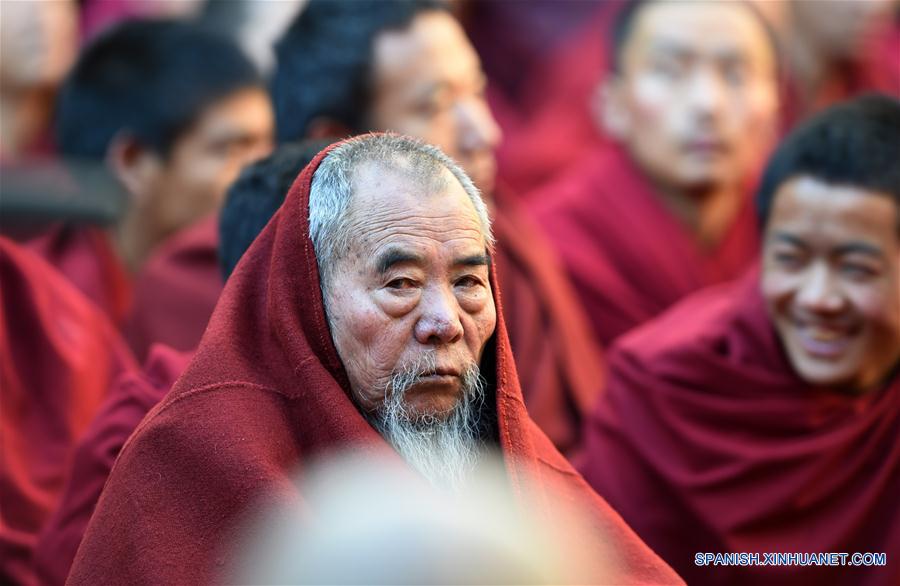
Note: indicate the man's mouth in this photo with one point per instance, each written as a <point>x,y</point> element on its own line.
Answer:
<point>824,342</point>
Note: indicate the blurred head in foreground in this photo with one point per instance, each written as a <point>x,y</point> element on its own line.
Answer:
<point>415,535</point>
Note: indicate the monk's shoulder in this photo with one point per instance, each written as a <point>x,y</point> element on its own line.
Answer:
<point>213,425</point>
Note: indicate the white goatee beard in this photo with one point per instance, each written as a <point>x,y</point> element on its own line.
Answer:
<point>443,450</point>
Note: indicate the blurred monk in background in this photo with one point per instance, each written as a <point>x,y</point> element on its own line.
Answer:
<point>175,112</point>
<point>692,105</point>
<point>762,416</point>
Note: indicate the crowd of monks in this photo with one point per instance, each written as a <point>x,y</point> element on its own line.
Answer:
<point>643,253</point>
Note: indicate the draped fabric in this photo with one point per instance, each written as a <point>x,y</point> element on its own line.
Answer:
<point>628,257</point>
<point>58,357</point>
<point>706,441</point>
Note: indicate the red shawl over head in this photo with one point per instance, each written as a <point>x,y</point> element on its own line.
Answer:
<point>58,356</point>
<point>629,257</point>
<point>176,290</point>
<point>131,397</point>
<point>707,442</point>
<point>264,394</point>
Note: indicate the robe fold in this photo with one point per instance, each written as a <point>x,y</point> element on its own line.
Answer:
<point>176,290</point>
<point>706,441</point>
<point>264,394</point>
<point>628,257</point>
<point>131,397</point>
<point>58,356</point>
<point>85,256</point>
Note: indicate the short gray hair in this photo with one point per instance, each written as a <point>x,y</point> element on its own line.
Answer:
<point>333,182</point>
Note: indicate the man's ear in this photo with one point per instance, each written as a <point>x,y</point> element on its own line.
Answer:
<point>609,108</point>
<point>135,166</point>
<point>323,127</point>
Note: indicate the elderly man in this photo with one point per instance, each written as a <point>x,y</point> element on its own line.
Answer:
<point>363,318</point>
<point>764,415</point>
<point>406,66</point>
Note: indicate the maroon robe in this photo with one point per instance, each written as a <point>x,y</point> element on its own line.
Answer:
<point>58,356</point>
<point>85,256</point>
<point>265,394</point>
<point>131,397</point>
<point>176,290</point>
<point>628,256</point>
<point>706,441</point>
<point>559,363</point>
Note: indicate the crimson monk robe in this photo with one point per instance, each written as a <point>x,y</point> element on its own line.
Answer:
<point>58,356</point>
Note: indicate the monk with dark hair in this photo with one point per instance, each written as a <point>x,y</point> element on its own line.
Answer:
<point>364,318</point>
<point>173,112</point>
<point>690,106</point>
<point>407,66</point>
<point>762,416</point>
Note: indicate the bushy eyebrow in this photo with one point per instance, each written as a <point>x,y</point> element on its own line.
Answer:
<point>474,260</point>
<point>395,256</point>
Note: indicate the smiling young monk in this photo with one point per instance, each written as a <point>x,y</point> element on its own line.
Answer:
<point>364,318</point>
<point>763,416</point>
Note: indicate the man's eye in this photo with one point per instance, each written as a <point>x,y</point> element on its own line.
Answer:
<point>789,259</point>
<point>858,271</point>
<point>468,281</point>
<point>402,283</point>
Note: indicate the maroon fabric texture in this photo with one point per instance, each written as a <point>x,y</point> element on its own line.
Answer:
<point>264,393</point>
<point>876,70</point>
<point>628,257</point>
<point>553,125</point>
<point>706,441</point>
<point>176,290</point>
<point>85,256</point>
<point>131,397</point>
<point>58,356</point>
<point>560,365</point>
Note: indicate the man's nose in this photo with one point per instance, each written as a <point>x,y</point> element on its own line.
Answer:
<point>477,128</point>
<point>819,291</point>
<point>439,321</point>
<point>706,93</point>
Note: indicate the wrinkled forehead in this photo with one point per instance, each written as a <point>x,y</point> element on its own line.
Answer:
<point>413,205</point>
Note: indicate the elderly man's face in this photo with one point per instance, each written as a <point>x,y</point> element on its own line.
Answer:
<point>413,282</point>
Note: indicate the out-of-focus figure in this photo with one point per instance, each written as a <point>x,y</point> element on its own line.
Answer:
<point>414,534</point>
<point>691,106</point>
<point>38,41</point>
